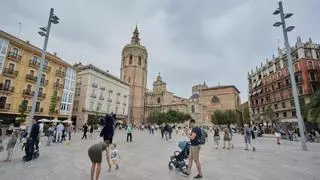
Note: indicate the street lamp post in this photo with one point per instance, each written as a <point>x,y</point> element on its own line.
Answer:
<point>285,30</point>
<point>45,31</point>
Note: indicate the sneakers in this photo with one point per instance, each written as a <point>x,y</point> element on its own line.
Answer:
<point>185,173</point>
<point>197,177</point>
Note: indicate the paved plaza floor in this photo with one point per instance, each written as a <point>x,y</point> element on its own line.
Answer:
<point>147,159</point>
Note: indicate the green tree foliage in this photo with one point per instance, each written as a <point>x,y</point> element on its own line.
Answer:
<point>171,116</point>
<point>53,103</point>
<point>220,117</point>
<point>23,107</point>
<point>94,119</point>
<point>311,111</point>
<point>246,115</point>
<point>269,115</point>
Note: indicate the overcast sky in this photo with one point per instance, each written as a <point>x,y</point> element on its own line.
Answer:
<point>188,41</point>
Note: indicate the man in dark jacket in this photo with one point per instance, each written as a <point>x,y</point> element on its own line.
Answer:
<point>108,130</point>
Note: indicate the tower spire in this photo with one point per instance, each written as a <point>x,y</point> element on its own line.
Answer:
<point>135,38</point>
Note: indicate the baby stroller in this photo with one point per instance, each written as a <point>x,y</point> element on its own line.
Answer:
<point>177,160</point>
<point>31,152</point>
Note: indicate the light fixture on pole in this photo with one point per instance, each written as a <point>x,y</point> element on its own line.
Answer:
<point>45,32</point>
<point>285,30</point>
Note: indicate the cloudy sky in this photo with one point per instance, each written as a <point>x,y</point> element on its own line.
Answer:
<point>188,41</point>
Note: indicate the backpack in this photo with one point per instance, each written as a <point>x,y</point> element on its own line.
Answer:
<point>202,136</point>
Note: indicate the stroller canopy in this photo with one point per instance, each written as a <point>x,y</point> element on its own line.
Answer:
<point>182,144</point>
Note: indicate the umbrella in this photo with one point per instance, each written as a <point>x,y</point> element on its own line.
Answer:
<point>55,121</point>
<point>67,121</point>
<point>44,120</point>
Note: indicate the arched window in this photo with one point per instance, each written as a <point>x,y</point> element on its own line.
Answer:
<point>130,59</point>
<point>158,100</point>
<point>129,79</point>
<point>192,109</point>
<point>215,100</point>
<point>139,61</point>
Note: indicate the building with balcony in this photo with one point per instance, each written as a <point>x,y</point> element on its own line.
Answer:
<point>270,86</point>
<point>97,93</point>
<point>19,69</point>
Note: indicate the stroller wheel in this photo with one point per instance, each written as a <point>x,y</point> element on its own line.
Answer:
<point>170,165</point>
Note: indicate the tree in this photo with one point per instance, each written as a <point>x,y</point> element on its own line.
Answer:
<point>53,103</point>
<point>245,115</point>
<point>311,111</point>
<point>231,116</point>
<point>220,117</point>
<point>170,116</point>
<point>94,119</point>
<point>23,107</point>
<point>269,115</point>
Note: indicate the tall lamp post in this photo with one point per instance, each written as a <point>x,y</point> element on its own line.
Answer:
<point>45,31</point>
<point>285,30</point>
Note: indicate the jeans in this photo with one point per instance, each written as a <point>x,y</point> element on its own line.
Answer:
<point>129,137</point>
<point>58,136</point>
<point>166,134</point>
<point>49,140</point>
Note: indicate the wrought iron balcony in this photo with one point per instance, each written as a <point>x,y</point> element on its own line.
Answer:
<point>44,82</point>
<point>47,68</point>
<point>28,93</point>
<point>93,96</point>
<point>14,57</point>
<point>94,85</point>
<point>10,72</point>
<point>38,110</point>
<point>42,95</point>
<point>60,73</point>
<point>34,64</point>
<point>31,78</point>
<point>5,107</point>
<point>101,98</point>
<point>57,86</point>
<point>6,89</point>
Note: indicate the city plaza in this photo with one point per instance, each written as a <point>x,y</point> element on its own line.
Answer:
<point>147,158</point>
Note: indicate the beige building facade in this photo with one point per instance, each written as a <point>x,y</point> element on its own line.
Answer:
<point>200,106</point>
<point>98,93</point>
<point>134,65</point>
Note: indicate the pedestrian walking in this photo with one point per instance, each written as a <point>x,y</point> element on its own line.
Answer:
<point>254,136</point>
<point>49,134</point>
<point>95,155</point>
<point>277,133</point>
<point>91,131</point>
<point>194,149</point>
<point>129,132</point>
<point>35,133</point>
<point>108,130</point>
<point>226,138</point>
<point>216,137</point>
<point>247,133</point>
<point>59,133</point>
<point>70,131</point>
<point>10,146</point>
<point>85,130</point>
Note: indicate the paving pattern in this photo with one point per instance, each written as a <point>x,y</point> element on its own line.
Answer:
<point>147,159</point>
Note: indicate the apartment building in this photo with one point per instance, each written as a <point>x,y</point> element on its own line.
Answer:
<point>270,86</point>
<point>19,68</point>
<point>97,93</point>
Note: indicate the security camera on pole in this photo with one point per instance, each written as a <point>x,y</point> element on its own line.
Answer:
<point>45,31</point>
<point>286,29</point>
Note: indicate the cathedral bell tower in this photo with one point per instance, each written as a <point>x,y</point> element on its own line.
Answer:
<point>134,67</point>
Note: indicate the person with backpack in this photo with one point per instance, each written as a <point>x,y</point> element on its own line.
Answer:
<point>226,138</point>
<point>197,137</point>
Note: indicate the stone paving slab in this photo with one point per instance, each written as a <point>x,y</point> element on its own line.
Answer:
<point>147,159</point>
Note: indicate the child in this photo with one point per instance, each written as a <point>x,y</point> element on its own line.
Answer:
<point>95,155</point>
<point>114,156</point>
<point>10,145</point>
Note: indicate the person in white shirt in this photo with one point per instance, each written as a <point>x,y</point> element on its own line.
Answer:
<point>60,128</point>
<point>114,157</point>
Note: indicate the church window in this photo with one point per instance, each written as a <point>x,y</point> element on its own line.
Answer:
<point>159,100</point>
<point>192,109</point>
<point>129,79</point>
<point>215,100</point>
<point>130,59</point>
<point>139,61</point>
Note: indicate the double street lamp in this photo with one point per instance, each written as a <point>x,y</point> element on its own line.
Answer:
<point>285,29</point>
<point>45,31</point>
